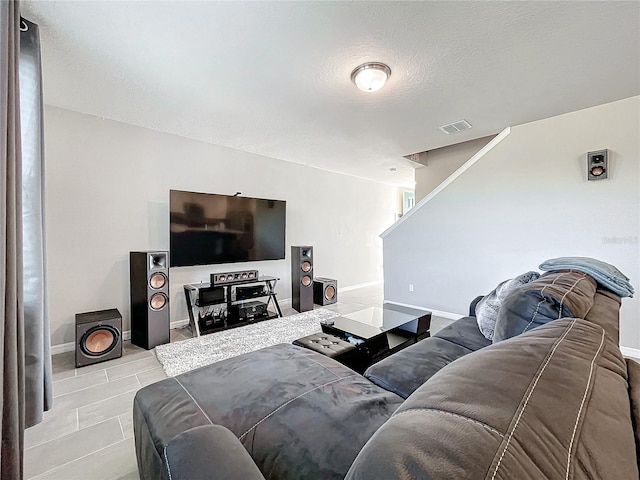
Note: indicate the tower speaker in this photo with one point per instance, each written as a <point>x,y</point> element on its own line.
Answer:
<point>149,286</point>
<point>98,336</point>
<point>325,291</point>
<point>302,278</point>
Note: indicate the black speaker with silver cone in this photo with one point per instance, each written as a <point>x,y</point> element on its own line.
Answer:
<point>98,336</point>
<point>325,291</point>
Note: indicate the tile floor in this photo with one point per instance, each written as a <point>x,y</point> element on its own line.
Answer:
<point>88,435</point>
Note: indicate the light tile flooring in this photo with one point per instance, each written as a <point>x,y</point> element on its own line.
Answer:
<point>88,435</point>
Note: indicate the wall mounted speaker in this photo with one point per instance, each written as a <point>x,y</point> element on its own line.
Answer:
<point>98,336</point>
<point>233,277</point>
<point>302,278</point>
<point>598,165</point>
<point>149,287</point>
<point>325,291</point>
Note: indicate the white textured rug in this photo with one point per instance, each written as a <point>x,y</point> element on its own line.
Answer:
<point>180,357</point>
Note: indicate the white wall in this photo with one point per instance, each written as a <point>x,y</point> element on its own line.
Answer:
<point>525,201</point>
<point>108,191</point>
<point>442,162</point>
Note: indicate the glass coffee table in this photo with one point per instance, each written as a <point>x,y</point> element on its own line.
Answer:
<point>378,332</point>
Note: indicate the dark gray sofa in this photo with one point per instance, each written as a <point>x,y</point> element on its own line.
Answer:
<point>555,402</point>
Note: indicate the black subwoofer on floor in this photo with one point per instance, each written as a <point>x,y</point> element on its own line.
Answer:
<point>149,286</point>
<point>302,278</point>
<point>325,291</point>
<point>98,336</point>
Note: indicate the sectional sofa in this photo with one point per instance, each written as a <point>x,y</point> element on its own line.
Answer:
<point>558,401</point>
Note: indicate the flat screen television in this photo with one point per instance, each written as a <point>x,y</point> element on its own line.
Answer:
<point>207,229</point>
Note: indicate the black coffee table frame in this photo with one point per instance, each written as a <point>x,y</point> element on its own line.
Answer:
<point>401,327</point>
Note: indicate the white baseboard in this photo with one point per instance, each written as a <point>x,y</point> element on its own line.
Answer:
<point>630,352</point>
<point>359,285</point>
<point>434,312</point>
<point>179,323</point>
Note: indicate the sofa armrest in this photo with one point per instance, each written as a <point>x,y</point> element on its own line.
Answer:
<point>206,452</point>
<point>472,306</point>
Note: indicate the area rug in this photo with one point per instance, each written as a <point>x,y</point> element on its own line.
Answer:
<point>180,357</point>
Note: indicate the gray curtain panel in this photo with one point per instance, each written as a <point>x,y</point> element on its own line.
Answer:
<point>38,388</point>
<point>25,357</point>
<point>11,312</point>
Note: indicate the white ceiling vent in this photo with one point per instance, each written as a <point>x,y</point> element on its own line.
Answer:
<point>455,127</point>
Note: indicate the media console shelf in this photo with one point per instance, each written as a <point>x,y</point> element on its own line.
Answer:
<point>220,309</point>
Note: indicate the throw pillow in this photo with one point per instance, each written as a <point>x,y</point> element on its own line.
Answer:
<point>487,309</point>
<point>554,295</point>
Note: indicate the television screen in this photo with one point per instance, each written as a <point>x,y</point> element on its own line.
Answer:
<point>207,229</point>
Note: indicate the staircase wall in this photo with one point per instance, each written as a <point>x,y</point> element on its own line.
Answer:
<point>526,200</point>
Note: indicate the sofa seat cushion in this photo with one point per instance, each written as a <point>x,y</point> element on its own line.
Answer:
<point>297,412</point>
<point>403,372</point>
<point>555,405</point>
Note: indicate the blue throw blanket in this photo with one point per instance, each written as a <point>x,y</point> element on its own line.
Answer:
<point>606,275</point>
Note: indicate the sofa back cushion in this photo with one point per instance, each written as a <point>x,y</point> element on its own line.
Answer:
<point>606,312</point>
<point>552,403</point>
<point>405,371</point>
<point>550,297</point>
<point>633,367</point>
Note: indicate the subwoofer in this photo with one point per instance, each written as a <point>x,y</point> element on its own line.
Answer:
<point>98,337</point>
<point>302,278</point>
<point>149,286</point>
<point>325,291</point>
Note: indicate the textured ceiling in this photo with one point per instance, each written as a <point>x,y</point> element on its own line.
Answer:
<point>273,77</point>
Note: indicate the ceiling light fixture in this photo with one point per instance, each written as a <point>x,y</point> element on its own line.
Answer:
<point>370,76</point>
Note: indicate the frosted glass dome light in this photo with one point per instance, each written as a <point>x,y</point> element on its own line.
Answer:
<point>370,77</point>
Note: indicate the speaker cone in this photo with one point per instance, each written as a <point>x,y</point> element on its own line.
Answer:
<point>306,266</point>
<point>157,280</point>
<point>329,292</point>
<point>306,280</point>
<point>158,301</point>
<point>99,340</point>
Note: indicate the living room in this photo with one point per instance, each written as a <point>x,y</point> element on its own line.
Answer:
<point>220,98</point>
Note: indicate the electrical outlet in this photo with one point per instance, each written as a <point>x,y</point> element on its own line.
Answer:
<point>411,287</point>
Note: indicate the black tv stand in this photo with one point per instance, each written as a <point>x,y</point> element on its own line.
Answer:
<point>215,316</point>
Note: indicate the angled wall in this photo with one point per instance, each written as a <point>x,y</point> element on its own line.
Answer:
<point>442,162</point>
<point>525,201</point>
